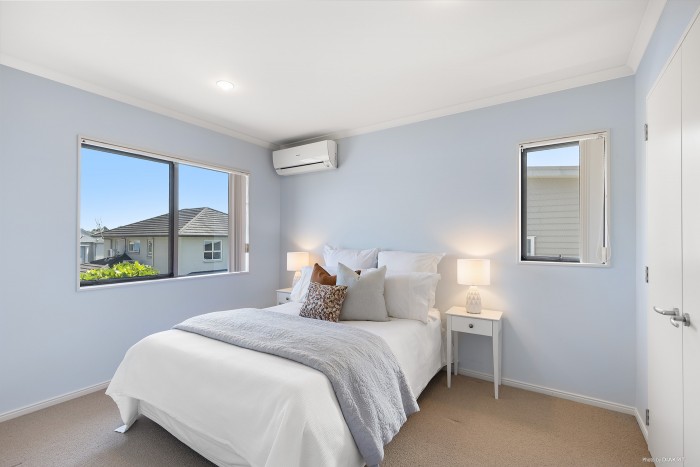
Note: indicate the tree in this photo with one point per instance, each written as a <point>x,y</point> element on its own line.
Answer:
<point>99,228</point>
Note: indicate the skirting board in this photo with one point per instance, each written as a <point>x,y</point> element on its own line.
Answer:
<point>53,401</point>
<point>554,392</point>
<point>642,425</point>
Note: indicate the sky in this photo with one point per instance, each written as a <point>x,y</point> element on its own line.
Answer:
<point>118,190</point>
<point>564,156</point>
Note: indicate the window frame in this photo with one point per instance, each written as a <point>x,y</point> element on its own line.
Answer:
<point>173,161</point>
<point>129,243</point>
<point>84,248</point>
<point>213,251</point>
<point>523,258</point>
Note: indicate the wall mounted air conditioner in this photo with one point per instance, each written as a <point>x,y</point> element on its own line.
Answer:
<point>312,157</point>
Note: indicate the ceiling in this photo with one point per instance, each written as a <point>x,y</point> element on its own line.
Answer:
<point>304,70</point>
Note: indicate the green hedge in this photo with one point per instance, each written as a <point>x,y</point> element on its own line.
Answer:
<point>119,271</point>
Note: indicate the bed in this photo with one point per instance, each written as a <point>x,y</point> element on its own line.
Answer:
<point>240,407</point>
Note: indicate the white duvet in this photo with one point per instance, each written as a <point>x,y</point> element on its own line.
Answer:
<point>240,407</point>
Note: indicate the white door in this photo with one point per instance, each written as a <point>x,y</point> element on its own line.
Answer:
<point>665,344</point>
<point>691,244</point>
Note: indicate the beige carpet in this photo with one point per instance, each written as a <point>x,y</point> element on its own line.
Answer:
<point>461,426</point>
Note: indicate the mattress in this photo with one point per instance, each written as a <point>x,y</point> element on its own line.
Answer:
<point>240,407</point>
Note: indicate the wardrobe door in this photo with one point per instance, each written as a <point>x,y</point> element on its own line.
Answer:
<point>664,254</point>
<point>691,244</point>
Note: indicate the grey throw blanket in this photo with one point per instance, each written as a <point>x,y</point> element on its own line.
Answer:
<point>370,386</point>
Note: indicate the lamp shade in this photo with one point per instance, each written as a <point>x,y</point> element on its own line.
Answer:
<point>297,260</point>
<point>474,271</point>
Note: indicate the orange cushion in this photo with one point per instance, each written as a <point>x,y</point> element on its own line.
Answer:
<point>322,276</point>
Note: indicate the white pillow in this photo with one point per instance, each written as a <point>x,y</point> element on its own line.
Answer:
<point>405,261</point>
<point>354,259</point>
<point>410,295</point>
<point>364,300</point>
<point>302,286</point>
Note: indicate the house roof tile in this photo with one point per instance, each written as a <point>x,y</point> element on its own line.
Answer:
<point>192,222</point>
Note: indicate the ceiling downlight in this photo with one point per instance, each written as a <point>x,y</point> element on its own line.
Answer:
<point>225,85</point>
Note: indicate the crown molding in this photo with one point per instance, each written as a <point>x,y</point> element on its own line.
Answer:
<point>44,72</point>
<point>561,85</point>
<point>651,17</point>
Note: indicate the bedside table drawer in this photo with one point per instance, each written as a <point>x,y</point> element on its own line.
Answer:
<point>482,327</point>
<point>283,297</point>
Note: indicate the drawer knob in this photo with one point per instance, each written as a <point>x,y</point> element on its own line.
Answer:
<point>471,326</point>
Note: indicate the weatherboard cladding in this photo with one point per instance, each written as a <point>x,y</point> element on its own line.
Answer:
<point>193,222</point>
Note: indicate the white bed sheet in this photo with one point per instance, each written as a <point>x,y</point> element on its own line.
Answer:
<point>417,346</point>
<point>240,407</point>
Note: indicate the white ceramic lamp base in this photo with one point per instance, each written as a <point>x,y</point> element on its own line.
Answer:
<point>297,276</point>
<point>473,300</point>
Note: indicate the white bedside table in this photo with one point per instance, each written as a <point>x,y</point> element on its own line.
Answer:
<point>486,323</point>
<point>284,295</point>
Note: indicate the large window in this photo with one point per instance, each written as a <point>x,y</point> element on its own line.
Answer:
<point>192,219</point>
<point>564,200</point>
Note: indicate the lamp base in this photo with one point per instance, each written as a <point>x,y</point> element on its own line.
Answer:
<point>473,300</point>
<point>297,276</point>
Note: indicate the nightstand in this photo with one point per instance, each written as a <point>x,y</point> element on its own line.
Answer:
<point>486,323</point>
<point>284,295</point>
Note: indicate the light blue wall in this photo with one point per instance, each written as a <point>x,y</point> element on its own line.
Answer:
<point>53,339</point>
<point>448,184</point>
<point>451,184</point>
<point>672,24</point>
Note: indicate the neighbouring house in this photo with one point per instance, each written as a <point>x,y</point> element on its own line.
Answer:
<point>91,246</point>
<point>202,241</point>
<point>553,215</point>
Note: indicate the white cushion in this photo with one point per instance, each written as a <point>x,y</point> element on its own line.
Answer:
<point>301,288</point>
<point>364,300</point>
<point>354,259</point>
<point>410,295</point>
<point>406,261</point>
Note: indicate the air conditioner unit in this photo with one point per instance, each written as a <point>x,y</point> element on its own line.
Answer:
<point>322,155</point>
<point>110,253</point>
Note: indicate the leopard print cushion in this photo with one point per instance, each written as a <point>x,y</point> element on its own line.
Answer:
<point>324,302</point>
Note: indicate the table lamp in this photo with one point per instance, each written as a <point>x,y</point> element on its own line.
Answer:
<point>295,261</point>
<point>473,272</point>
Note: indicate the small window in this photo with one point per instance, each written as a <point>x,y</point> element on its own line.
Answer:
<point>212,250</point>
<point>134,246</point>
<point>150,248</point>
<point>564,200</point>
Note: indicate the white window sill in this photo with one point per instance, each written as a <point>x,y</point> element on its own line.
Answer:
<point>157,281</point>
